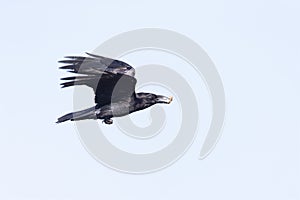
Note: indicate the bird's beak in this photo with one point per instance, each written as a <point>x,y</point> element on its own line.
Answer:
<point>170,99</point>
<point>163,99</point>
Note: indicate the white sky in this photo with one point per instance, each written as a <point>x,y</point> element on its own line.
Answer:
<point>255,46</point>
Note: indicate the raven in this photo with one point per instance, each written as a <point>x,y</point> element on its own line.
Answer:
<point>113,83</point>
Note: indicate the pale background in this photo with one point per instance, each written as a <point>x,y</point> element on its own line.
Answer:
<point>255,46</point>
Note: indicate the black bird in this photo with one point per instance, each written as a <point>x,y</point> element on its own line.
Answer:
<point>113,82</point>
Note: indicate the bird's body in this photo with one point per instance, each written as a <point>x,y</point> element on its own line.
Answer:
<point>113,82</point>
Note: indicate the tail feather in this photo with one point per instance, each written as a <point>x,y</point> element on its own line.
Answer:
<point>80,115</point>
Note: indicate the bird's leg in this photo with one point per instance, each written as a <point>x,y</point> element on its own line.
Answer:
<point>108,121</point>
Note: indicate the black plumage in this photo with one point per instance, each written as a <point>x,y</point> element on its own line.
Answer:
<point>113,83</point>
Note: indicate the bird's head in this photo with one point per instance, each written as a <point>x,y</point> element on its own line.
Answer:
<point>149,99</point>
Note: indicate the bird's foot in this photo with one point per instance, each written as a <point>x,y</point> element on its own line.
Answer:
<point>107,121</point>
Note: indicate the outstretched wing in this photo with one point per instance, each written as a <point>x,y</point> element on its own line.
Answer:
<point>112,80</point>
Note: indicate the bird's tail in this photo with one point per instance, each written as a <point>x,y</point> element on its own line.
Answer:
<point>80,115</point>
